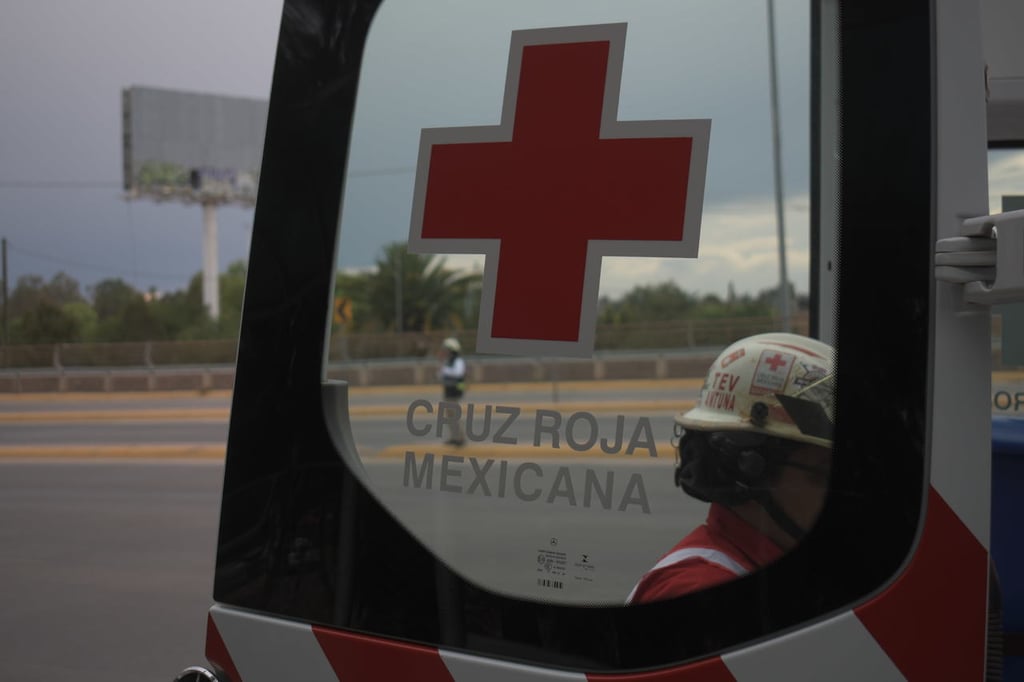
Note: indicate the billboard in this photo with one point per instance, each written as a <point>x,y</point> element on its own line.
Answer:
<point>191,147</point>
<point>1004,71</point>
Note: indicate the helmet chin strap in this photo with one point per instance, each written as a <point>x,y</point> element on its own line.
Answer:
<point>779,516</point>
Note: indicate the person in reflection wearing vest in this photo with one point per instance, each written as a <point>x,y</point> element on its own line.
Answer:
<point>758,447</point>
<point>452,374</point>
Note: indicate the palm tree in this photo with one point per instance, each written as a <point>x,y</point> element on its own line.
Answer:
<point>414,292</point>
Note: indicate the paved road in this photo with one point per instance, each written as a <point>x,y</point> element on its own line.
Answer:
<point>115,433</point>
<point>107,564</point>
<point>59,425</point>
<point>106,568</point>
<point>114,425</point>
<point>28,405</point>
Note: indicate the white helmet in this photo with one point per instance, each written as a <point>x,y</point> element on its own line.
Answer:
<point>774,384</point>
<point>452,344</point>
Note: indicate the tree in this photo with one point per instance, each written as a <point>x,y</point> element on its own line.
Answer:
<point>185,317</point>
<point>31,290</point>
<point>123,314</point>
<point>26,296</point>
<point>413,292</point>
<point>46,323</point>
<point>193,321</point>
<point>769,299</point>
<point>110,297</point>
<point>648,303</point>
<point>85,319</point>
<point>137,323</point>
<point>39,310</point>
<point>62,289</point>
<point>232,288</point>
<point>179,311</point>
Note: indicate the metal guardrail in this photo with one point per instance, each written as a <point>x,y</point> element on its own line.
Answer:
<point>127,354</point>
<point>624,351</point>
<point>373,346</point>
<point>685,351</point>
<point>117,379</point>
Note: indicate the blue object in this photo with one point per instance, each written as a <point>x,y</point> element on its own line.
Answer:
<point>1008,528</point>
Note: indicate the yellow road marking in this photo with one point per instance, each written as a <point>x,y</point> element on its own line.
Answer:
<point>162,451</point>
<point>518,451</point>
<point>597,385</point>
<point>126,414</point>
<point>222,413</point>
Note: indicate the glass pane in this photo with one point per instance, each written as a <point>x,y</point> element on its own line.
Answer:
<point>1006,193</point>
<point>550,472</point>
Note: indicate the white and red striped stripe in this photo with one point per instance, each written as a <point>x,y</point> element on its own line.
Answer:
<point>937,605</point>
<point>266,649</point>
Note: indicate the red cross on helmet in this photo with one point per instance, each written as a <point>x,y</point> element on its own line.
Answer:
<point>775,384</point>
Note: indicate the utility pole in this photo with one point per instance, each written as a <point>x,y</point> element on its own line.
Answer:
<point>399,316</point>
<point>777,157</point>
<point>3,258</point>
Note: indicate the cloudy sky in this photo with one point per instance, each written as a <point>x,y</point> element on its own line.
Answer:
<point>676,67</point>
<point>63,65</point>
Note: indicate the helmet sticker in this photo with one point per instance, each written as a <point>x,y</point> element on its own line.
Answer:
<point>807,374</point>
<point>799,349</point>
<point>718,400</point>
<point>821,393</point>
<point>773,368</point>
<point>732,357</point>
<point>720,391</point>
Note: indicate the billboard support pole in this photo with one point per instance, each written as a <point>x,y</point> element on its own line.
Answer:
<point>211,288</point>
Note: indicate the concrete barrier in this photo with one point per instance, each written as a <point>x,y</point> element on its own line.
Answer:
<point>492,370</point>
<point>418,371</point>
<point>413,372</point>
<point>119,380</point>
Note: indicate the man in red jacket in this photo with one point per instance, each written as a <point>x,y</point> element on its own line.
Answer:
<point>758,447</point>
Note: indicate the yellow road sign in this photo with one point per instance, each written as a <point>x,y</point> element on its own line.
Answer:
<point>342,309</point>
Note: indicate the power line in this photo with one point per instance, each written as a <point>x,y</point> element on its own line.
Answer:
<point>58,184</point>
<point>92,266</point>
<point>108,184</point>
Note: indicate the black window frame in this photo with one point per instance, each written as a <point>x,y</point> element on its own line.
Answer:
<point>285,483</point>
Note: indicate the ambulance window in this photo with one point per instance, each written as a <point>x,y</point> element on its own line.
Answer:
<point>587,321</point>
<point>1005,119</point>
<point>548,471</point>
<point>1006,193</point>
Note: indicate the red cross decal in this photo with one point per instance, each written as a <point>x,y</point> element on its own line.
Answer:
<point>559,184</point>
<point>775,362</point>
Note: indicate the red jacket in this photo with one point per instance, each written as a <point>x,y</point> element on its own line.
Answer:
<point>722,549</point>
